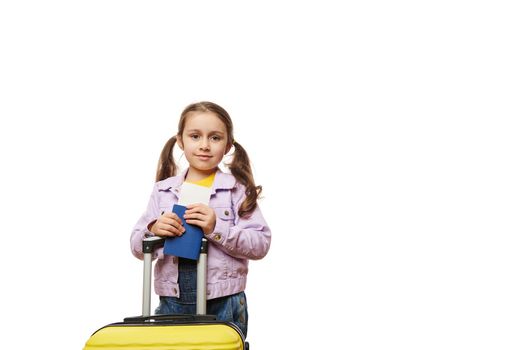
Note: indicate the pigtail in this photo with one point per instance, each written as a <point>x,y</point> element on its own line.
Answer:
<point>240,168</point>
<point>166,166</point>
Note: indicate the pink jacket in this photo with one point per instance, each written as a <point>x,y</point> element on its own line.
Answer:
<point>233,241</point>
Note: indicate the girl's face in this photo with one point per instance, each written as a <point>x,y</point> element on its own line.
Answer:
<point>204,142</point>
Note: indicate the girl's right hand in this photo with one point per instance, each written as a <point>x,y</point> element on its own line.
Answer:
<point>168,224</point>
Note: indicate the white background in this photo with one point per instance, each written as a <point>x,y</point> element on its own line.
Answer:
<point>388,137</point>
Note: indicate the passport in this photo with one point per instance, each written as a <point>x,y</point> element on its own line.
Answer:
<point>188,245</point>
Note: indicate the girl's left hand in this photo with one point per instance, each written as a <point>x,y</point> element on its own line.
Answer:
<point>201,215</point>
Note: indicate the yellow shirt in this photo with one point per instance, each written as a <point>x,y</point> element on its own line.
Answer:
<point>206,182</point>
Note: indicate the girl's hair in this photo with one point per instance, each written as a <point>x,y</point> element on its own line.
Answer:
<point>239,167</point>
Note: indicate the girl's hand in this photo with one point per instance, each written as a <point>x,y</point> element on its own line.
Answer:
<point>201,215</point>
<point>168,224</point>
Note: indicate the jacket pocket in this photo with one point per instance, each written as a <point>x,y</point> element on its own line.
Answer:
<point>225,214</point>
<point>166,206</point>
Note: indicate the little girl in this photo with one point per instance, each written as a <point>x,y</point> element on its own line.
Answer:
<point>232,220</point>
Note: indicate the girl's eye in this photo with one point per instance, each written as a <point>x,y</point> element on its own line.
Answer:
<point>216,138</point>
<point>194,137</point>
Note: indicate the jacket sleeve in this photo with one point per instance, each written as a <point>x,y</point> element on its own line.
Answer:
<point>246,238</point>
<point>140,230</point>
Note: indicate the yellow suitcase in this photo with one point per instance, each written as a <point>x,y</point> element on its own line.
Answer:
<point>167,335</point>
<point>169,332</point>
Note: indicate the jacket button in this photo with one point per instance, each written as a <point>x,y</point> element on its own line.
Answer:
<point>227,212</point>
<point>217,236</point>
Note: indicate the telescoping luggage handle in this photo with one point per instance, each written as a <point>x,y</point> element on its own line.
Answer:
<point>148,246</point>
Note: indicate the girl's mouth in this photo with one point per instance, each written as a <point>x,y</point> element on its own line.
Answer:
<point>203,157</point>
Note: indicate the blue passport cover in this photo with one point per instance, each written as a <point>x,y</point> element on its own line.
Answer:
<point>188,245</point>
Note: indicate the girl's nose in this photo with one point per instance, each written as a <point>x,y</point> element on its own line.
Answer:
<point>204,144</point>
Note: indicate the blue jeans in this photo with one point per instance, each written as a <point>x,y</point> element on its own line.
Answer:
<point>230,308</point>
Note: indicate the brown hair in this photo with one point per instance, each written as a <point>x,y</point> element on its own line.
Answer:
<point>239,167</point>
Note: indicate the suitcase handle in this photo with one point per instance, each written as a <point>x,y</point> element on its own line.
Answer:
<point>170,318</point>
<point>151,243</point>
<point>148,246</point>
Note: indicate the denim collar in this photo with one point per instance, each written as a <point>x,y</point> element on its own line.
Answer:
<point>222,181</point>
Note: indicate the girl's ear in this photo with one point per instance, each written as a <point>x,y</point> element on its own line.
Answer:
<point>227,149</point>
<point>180,142</point>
